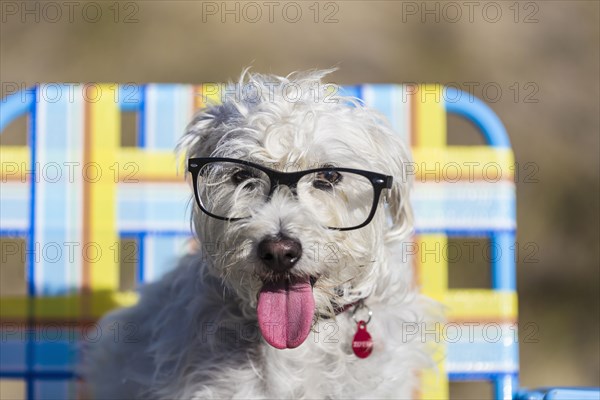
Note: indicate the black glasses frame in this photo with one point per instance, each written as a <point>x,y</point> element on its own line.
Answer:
<point>290,179</point>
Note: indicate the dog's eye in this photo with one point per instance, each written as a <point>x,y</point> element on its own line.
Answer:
<point>327,179</point>
<point>241,176</point>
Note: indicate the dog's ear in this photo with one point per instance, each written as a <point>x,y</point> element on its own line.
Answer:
<point>398,198</point>
<point>207,130</point>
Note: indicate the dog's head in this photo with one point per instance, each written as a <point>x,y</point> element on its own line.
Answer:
<point>294,201</point>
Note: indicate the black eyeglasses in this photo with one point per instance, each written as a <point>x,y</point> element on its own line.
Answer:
<point>341,198</point>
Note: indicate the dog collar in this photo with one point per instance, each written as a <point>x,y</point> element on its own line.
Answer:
<point>338,309</point>
<point>341,309</point>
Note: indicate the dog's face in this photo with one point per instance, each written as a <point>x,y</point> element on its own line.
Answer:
<point>279,254</point>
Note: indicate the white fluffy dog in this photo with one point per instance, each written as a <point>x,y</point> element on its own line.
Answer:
<point>301,210</point>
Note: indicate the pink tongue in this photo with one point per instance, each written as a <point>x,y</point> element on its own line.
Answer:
<point>285,312</point>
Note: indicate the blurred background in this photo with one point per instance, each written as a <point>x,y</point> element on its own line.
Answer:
<point>542,56</point>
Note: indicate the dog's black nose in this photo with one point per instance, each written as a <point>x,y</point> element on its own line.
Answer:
<point>279,253</point>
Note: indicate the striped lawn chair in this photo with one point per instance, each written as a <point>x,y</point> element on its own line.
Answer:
<point>73,195</point>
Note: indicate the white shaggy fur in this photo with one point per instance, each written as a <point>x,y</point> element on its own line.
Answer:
<point>194,334</point>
